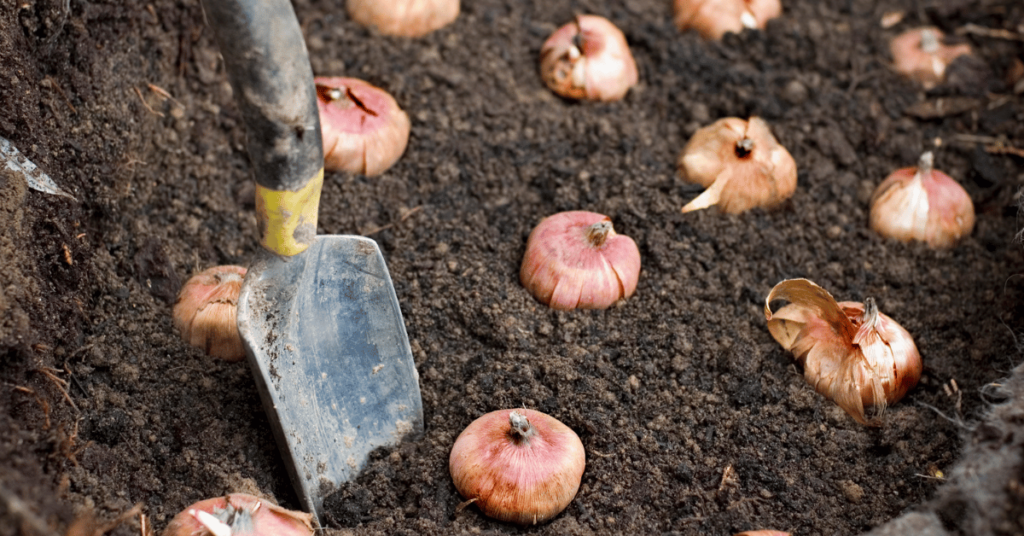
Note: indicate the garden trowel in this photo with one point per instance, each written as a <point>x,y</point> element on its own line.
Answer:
<point>318,314</point>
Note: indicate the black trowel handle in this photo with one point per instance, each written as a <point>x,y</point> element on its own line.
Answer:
<point>269,71</point>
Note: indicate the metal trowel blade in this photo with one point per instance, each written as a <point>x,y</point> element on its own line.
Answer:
<point>328,348</point>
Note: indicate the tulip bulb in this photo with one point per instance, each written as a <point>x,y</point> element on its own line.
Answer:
<point>714,18</point>
<point>763,533</point>
<point>922,56</point>
<point>520,466</point>
<point>922,204</point>
<point>206,309</point>
<point>406,18</point>
<point>364,130</point>
<point>576,260</point>
<point>740,163</point>
<point>851,353</point>
<point>588,59</point>
<point>239,514</point>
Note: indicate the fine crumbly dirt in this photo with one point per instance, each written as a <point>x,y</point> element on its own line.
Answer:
<point>695,421</point>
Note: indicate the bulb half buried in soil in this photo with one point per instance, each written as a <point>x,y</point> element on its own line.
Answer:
<point>923,204</point>
<point>205,312</point>
<point>714,18</point>
<point>407,18</point>
<point>520,466</point>
<point>740,163</point>
<point>576,260</point>
<point>364,130</point>
<point>851,353</point>
<point>921,55</point>
<point>239,514</point>
<point>588,59</point>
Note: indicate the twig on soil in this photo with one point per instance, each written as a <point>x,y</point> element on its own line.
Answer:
<point>61,384</point>
<point>462,505</point>
<point>991,389</point>
<point>116,522</point>
<point>998,149</point>
<point>992,145</point>
<point>957,422</point>
<point>404,217</point>
<point>66,444</point>
<point>952,389</point>
<point>88,526</point>
<point>66,8</point>
<point>75,381</point>
<point>39,400</point>
<point>82,349</point>
<point>728,478</point>
<point>975,29</point>
<point>743,501</point>
<point>50,82</point>
<point>162,92</point>
<point>146,104</point>
<point>19,509</point>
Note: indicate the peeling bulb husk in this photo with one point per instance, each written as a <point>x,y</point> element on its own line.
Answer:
<point>588,58</point>
<point>239,514</point>
<point>211,523</point>
<point>851,353</point>
<point>714,18</point>
<point>921,55</point>
<point>740,163</point>
<point>922,204</point>
<point>206,310</point>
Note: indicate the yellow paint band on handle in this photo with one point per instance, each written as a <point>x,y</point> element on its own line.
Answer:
<point>288,219</point>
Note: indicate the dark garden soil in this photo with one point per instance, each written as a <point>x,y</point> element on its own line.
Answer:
<point>695,421</point>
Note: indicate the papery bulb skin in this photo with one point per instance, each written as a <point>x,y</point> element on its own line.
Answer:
<point>239,514</point>
<point>364,130</point>
<point>922,204</point>
<point>740,163</point>
<point>520,466</point>
<point>588,58</point>
<point>205,312</point>
<point>576,260</point>
<point>851,353</point>
<point>921,55</point>
<point>714,18</point>
<point>405,18</point>
<point>763,533</point>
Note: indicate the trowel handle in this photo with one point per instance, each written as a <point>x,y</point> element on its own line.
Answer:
<point>269,71</point>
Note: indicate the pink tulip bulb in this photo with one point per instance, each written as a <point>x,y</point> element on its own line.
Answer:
<point>364,130</point>
<point>520,466</point>
<point>576,260</point>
